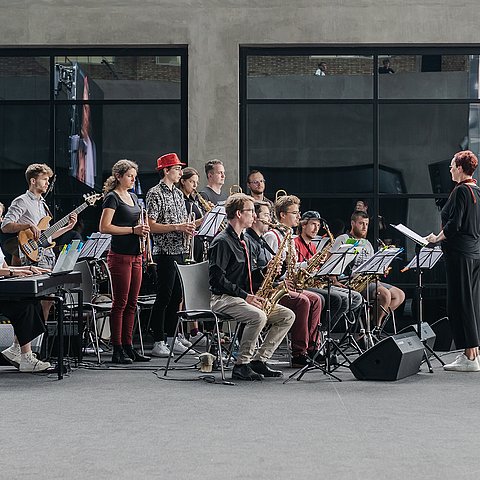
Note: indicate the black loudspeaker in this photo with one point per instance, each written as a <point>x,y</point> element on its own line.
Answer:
<point>444,341</point>
<point>428,335</point>
<point>72,341</point>
<point>393,358</point>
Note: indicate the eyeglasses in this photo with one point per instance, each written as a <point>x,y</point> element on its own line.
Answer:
<point>257,182</point>
<point>294,213</point>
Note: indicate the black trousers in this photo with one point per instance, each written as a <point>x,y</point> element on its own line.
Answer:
<point>463,299</point>
<point>169,296</point>
<point>26,318</point>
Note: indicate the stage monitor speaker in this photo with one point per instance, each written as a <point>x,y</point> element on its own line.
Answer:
<point>444,340</point>
<point>428,335</point>
<point>393,358</point>
<point>72,341</point>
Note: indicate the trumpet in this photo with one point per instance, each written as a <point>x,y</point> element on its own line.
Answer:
<point>235,189</point>
<point>280,193</point>
<point>206,207</point>
<point>145,243</point>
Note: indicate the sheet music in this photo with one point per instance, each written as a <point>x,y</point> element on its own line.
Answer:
<point>379,262</point>
<point>338,261</point>
<point>410,234</point>
<point>96,244</point>
<point>212,221</point>
<point>428,257</point>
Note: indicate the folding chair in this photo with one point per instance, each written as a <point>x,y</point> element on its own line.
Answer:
<point>196,302</point>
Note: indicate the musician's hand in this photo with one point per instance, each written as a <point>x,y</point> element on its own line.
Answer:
<point>38,270</point>
<point>22,271</point>
<point>72,221</point>
<point>432,238</point>
<point>255,301</point>
<point>290,285</point>
<point>187,227</point>
<point>141,230</point>
<point>36,231</point>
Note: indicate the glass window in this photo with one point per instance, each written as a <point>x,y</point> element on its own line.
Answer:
<point>420,140</point>
<point>24,139</point>
<point>24,78</point>
<point>310,148</point>
<point>138,132</point>
<point>119,77</point>
<point>310,76</point>
<point>428,76</point>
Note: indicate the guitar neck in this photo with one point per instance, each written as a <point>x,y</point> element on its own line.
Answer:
<point>63,221</point>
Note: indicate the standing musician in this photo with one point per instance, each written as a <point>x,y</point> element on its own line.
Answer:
<point>308,228</point>
<point>26,320</point>
<point>460,237</point>
<point>167,217</point>
<point>307,306</point>
<point>215,172</point>
<point>121,218</point>
<point>26,211</point>
<point>388,296</point>
<point>231,286</point>
<point>256,185</point>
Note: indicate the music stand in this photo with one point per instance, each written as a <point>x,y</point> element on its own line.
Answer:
<point>377,265</point>
<point>211,222</point>
<point>335,265</point>
<point>427,259</point>
<point>95,246</point>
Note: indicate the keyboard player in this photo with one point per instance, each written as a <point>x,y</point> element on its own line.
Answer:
<point>26,318</point>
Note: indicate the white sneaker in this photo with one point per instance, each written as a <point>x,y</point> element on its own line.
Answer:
<point>183,340</point>
<point>179,348</point>
<point>30,363</point>
<point>12,355</point>
<point>202,340</point>
<point>463,364</point>
<point>160,349</point>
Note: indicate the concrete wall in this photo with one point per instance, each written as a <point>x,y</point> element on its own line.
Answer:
<point>214,29</point>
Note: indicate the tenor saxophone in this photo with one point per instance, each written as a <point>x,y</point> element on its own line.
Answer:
<point>267,291</point>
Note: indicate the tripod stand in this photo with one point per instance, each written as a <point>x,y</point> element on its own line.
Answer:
<point>335,265</point>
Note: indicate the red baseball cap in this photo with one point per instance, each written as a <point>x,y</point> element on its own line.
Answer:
<point>168,160</point>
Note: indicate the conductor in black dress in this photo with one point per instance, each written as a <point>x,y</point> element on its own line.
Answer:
<point>460,237</point>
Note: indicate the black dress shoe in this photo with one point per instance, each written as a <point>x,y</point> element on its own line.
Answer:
<point>300,361</point>
<point>245,372</point>
<point>134,355</point>
<point>263,369</point>
<point>120,357</point>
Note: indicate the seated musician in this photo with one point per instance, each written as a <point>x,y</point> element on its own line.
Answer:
<point>306,305</point>
<point>27,210</point>
<point>231,286</point>
<point>389,297</point>
<point>26,320</point>
<point>308,228</point>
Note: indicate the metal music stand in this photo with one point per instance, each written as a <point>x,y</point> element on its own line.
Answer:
<point>211,222</point>
<point>95,246</point>
<point>335,265</point>
<point>428,261</point>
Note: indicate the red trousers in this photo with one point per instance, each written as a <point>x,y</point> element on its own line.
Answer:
<point>307,307</point>
<point>126,273</point>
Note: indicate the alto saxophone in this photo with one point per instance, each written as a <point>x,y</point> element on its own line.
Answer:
<point>267,291</point>
<point>206,207</point>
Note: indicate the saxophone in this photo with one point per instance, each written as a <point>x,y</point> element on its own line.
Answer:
<point>270,294</point>
<point>305,276</point>
<point>206,207</point>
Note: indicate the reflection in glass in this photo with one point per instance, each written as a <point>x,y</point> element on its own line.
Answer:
<point>417,140</point>
<point>310,76</point>
<point>24,78</point>
<point>128,77</point>
<point>24,139</point>
<point>429,76</point>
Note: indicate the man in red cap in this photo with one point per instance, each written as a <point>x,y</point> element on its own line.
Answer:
<point>167,217</point>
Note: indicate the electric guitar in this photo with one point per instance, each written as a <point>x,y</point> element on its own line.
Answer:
<point>32,248</point>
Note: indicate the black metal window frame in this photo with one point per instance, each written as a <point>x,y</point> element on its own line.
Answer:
<point>54,52</point>
<point>373,51</point>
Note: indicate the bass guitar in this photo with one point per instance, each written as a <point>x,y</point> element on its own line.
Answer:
<point>32,248</point>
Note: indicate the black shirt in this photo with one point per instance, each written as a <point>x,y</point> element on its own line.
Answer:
<point>124,216</point>
<point>461,221</point>
<point>228,266</point>
<point>260,254</point>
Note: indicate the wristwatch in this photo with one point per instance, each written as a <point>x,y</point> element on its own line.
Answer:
<point>11,271</point>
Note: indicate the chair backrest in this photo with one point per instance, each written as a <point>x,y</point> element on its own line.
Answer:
<point>195,285</point>
<point>87,280</point>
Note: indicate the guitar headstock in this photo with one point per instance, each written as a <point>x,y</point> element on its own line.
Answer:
<point>92,198</point>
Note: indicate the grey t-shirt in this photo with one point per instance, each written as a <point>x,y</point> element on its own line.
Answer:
<point>208,194</point>
<point>364,246</point>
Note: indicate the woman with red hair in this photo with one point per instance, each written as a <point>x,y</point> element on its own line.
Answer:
<point>460,237</point>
